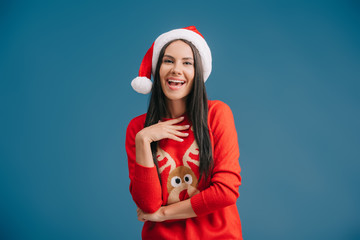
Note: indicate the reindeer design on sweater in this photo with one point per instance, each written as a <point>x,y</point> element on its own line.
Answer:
<point>181,182</point>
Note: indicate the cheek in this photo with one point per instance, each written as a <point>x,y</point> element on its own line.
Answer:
<point>190,75</point>
<point>190,72</point>
<point>162,74</point>
<point>161,71</point>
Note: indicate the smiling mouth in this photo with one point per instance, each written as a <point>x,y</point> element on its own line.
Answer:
<point>175,84</point>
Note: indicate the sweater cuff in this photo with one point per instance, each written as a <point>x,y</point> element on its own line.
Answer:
<point>145,174</point>
<point>198,204</point>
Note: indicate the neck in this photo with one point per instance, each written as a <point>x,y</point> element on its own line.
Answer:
<point>176,108</point>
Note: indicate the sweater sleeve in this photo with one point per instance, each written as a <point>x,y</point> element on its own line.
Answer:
<point>225,177</point>
<point>145,185</point>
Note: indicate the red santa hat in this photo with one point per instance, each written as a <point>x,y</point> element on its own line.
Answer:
<point>143,84</point>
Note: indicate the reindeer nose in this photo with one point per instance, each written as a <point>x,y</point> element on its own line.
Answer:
<point>183,195</point>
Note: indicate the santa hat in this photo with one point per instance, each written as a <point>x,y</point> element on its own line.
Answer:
<point>143,84</point>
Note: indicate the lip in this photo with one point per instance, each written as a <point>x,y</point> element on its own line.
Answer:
<point>175,88</point>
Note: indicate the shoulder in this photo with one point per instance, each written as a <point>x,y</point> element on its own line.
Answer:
<point>136,124</point>
<point>218,108</point>
<point>139,119</point>
<point>220,117</point>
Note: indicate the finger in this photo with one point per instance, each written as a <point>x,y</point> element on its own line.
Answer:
<point>181,127</point>
<point>139,212</point>
<point>141,219</point>
<point>178,133</point>
<point>173,137</point>
<point>174,121</point>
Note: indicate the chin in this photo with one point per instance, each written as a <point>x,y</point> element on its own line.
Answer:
<point>175,97</point>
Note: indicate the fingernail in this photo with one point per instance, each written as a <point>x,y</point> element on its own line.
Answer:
<point>186,134</point>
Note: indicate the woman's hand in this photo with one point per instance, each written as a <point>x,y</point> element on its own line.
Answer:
<point>162,130</point>
<point>156,132</point>
<point>157,216</point>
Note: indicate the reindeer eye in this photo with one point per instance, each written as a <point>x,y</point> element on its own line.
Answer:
<point>175,181</point>
<point>188,179</point>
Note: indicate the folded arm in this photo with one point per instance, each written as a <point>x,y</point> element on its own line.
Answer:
<point>225,180</point>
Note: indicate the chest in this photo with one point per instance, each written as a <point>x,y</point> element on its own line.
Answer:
<point>179,167</point>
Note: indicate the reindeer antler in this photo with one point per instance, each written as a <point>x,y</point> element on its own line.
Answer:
<point>192,155</point>
<point>161,156</point>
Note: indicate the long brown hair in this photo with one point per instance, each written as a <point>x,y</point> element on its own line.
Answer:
<point>196,108</point>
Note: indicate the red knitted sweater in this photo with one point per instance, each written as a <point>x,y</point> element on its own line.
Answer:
<point>213,200</point>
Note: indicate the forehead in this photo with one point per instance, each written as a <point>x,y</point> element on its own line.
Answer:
<point>179,48</point>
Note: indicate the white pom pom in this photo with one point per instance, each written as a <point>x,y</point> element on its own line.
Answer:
<point>142,85</point>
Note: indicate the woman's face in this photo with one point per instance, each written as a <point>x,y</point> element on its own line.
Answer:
<point>177,71</point>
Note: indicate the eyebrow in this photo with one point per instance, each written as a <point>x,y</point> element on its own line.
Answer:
<point>185,58</point>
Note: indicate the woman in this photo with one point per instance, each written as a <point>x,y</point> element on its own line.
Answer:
<point>183,153</point>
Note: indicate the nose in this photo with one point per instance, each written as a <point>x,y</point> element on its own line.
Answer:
<point>176,68</point>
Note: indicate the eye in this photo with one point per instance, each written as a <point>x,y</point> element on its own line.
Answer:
<point>188,179</point>
<point>188,63</point>
<point>175,181</point>
<point>167,61</point>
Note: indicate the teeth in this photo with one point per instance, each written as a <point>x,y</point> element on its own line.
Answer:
<point>176,81</point>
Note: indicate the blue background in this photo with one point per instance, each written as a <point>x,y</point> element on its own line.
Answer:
<point>289,70</point>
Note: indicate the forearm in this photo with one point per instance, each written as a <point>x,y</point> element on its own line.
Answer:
<point>179,210</point>
<point>145,185</point>
<point>216,197</point>
<point>146,188</point>
<point>143,151</point>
